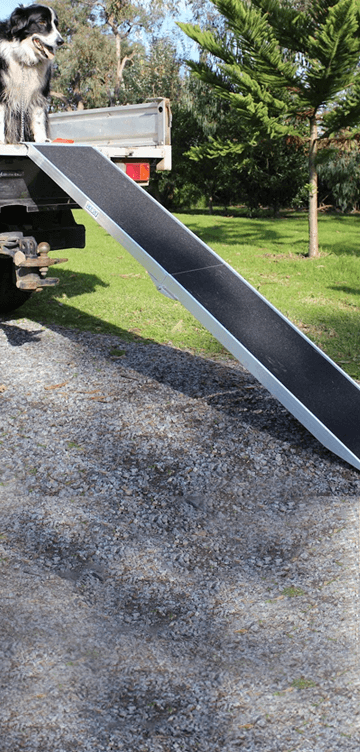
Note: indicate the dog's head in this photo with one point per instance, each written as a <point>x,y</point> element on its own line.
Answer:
<point>35,29</point>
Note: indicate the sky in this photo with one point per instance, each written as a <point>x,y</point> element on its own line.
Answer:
<point>7,7</point>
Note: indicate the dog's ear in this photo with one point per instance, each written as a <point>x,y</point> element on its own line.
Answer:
<point>18,20</point>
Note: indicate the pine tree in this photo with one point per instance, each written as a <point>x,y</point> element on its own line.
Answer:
<point>282,64</point>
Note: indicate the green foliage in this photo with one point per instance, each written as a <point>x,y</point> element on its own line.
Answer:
<point>105,60</point>
<point>280,63</point>
<point>84,73</point>
<point>214,157</point>
<point>219,155</point>
<point>156,75</point>
<point>277,61</point>
<point>339,178</point>
<point>272,174</point>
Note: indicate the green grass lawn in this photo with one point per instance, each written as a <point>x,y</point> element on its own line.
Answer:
<point>103,289</point>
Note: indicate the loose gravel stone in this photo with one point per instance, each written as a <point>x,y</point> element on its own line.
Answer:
<point>178,556</point>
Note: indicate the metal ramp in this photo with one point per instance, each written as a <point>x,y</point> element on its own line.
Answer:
<point>313,388</point>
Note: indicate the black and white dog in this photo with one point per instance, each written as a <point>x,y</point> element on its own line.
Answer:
<point>28,42</point>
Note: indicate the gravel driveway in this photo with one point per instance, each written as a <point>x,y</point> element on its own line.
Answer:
<point>178,557</point>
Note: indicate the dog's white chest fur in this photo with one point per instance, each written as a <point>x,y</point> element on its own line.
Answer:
<point>23,83</point>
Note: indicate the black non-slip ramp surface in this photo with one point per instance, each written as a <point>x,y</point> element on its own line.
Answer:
<point>308,383</point>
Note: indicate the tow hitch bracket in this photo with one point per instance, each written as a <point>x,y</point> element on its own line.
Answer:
<point>31,261</point>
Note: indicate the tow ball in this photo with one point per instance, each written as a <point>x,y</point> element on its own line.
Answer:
<point>31,261</point>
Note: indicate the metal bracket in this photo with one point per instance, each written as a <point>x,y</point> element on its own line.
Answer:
<point>31,261</point>
<point>162,288</point>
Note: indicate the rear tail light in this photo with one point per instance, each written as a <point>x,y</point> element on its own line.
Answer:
<point>139,171</point>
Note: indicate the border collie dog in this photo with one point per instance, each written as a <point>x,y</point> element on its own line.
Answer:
<point>28,42</point>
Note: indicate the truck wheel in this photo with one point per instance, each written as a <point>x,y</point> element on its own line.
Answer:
<point>10,295</point>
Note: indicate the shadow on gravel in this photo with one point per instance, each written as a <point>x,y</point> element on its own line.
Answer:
<point>222,384</point>
<point>17,336</point>
<point>173,578</point>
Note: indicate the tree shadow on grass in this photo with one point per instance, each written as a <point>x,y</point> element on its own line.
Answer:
<point>255,232</point>
<point>74,283</point>
<point>51,306</point>
<point>345,289</point>
<point>259,232</point>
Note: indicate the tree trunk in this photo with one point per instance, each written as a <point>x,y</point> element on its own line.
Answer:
<point>120,65</point>
<point>313,196</point>
<point>77,92</point>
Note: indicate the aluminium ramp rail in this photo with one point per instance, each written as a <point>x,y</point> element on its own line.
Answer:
<point>313,388</point>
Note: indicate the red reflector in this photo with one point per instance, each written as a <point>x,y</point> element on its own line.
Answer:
<point>63,141</point>
<point>138,170</point>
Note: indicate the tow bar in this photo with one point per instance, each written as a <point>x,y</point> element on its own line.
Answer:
<point>31,261</point>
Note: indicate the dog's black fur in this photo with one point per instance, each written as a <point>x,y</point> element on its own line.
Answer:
<point>28,42</point>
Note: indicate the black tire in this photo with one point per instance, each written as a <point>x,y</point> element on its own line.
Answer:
<point>10,295</point>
